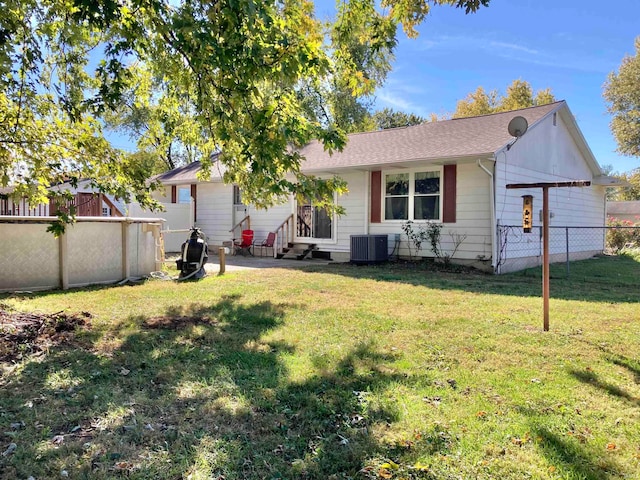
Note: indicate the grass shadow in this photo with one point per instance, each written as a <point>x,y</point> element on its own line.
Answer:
<point>195,391</point>
<point>571,459</point>
<point>601,279</point>
<point>591,378</point>
<point>630,364</point>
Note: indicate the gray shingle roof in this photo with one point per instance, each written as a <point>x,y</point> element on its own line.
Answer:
<point>444,139</point>
<point>185,174</point>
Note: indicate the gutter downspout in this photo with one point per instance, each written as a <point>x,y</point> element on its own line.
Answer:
<point>492,203</point>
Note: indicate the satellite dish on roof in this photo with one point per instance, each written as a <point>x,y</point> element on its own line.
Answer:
<point>517,126</point>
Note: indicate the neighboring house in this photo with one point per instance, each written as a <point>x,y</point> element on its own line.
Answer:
<point>9,205</point>
<point>452,171</point>
<point>624,210</point>
<point>88,203</point>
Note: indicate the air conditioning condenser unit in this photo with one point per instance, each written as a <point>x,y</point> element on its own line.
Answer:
<point>369,248</point>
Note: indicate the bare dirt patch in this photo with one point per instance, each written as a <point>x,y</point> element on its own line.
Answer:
<point>23,334</point>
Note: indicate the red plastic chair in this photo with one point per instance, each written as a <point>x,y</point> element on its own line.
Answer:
<point>244,245</point>
<point>267,243</point>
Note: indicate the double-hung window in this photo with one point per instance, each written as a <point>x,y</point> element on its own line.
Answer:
<point>413,195</point>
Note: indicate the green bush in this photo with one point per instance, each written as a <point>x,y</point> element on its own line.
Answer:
<point>622,233</point>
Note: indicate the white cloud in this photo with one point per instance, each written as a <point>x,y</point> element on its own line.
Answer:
<point>394,100</point>
<point>513,46</point>
<point>464,44</point>
<point>401,96</point>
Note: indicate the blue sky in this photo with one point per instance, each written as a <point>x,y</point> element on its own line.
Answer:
<point>568,45</point>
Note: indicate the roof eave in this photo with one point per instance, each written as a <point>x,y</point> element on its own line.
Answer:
<point>387,166</point>
<point>609,181</point>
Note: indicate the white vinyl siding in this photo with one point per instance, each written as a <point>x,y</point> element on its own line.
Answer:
<point>548,153</point>
<point>355,203</point>
<point>473,217</point>
<point>215,212</point>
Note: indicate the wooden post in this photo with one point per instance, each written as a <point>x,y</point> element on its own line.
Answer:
<point>221,256</point>
<point>545,234</point>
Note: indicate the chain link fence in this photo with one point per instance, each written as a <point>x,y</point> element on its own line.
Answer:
<point>518,250</point>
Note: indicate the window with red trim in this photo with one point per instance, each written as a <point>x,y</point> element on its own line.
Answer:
<point>412,195</point>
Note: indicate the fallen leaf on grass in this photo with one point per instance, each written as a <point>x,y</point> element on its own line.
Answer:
<point>123,466</point>
<point>520,441</point>
<point>383,473</point>
<point>611,446</point>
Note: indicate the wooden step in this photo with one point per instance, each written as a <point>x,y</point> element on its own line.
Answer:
<point>299,251</point>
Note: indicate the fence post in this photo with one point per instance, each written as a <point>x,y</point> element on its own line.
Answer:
<point>498,251</point>
<point>566,235</point>
<point>126,268</point>
<point>62,255</point>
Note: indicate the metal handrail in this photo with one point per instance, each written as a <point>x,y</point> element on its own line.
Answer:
<point>304,230</point>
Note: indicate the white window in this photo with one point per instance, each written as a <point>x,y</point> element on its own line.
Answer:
<point>106,211</point>
<point>184,195</point>
<point>412,195</point>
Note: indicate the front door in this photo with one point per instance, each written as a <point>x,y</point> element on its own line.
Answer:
<point>313,223</point>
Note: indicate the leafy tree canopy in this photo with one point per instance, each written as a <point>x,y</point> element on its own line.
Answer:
<point>389,118</point>
<point>519,95</point>
<point>622,93</point>
<point>252,76</point>
<point>160,120</point>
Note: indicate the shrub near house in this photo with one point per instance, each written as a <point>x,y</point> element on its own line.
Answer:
<point>622,233</point>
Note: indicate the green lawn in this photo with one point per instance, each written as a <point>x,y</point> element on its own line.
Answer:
<point>335,372</point>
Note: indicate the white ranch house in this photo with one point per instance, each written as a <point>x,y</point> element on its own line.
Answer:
<point>453,171</point>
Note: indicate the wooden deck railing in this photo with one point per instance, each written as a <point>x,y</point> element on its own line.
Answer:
<point>244,224</point>
<point>284,235</point>
<point>22,208</point>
